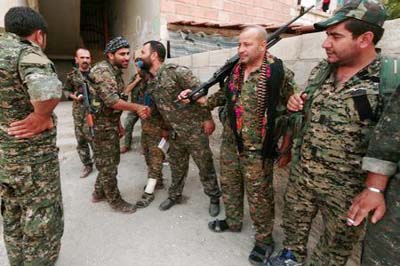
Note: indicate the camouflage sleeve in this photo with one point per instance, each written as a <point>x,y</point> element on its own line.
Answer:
<point>216,99</point>
<point>106,86</point>
<point>384,148</point>
<point>38,74</point>
<point>135,93</point>
<point>188,81</point>
<point>289,86</point>
<point>68,88</point>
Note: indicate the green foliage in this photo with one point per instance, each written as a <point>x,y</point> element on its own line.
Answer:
<point>393,7</point>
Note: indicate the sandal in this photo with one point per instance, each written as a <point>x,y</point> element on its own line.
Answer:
<point>145,200</point>
<point>260,253</point>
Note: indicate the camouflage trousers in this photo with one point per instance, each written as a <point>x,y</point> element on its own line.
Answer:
<point>32,212</point>
<point>129,124</point>
<point>382,242</point>
<point>107,158</point>
<point>179,152</point>
<point>153,155</point>
<point>247,172</point>
<point>331,193</point>
<point>82,134</point>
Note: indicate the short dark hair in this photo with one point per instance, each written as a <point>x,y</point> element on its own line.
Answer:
<point>159,48</point>
<point>23,21</point>
<point>358,27</point>
<point>81,48</point>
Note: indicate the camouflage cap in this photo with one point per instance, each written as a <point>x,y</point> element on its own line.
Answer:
<point>116,44</point>
<point>370,11</point>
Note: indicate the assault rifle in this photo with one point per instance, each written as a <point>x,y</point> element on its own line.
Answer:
<point>220,75</point>
<point>88,107</point>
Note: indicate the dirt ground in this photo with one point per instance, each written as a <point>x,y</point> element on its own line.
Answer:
<point>95,235</point>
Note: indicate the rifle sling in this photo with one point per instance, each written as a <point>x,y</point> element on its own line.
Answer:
<point>274,84</point>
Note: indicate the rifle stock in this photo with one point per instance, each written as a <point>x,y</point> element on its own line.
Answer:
<point>226,69</point>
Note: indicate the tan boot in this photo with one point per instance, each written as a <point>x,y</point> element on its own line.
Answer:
<point>98,198</point>
<point>124,207</point>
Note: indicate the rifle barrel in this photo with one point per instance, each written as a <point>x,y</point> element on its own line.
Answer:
<point>226,69</point>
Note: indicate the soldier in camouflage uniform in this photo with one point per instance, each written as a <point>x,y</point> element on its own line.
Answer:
<point>153,130</point>
<point>108,99</point>
<point>244,167</point>
<point>132,117</point>
<point>188,124</point>
<point>382,242</point>
<point>73,90</point>
<point>129,124</point>
<point>29,168</point>
<point>339,108</point>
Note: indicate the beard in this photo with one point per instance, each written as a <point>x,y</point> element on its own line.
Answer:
<point>146,65</point>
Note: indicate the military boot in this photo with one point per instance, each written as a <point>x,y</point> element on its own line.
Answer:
<point>214,207</point>
<point>168,203</point>
<point>145,200</point>
<point>123,206</point>
<point>98,197</point>
<point>260,253</point>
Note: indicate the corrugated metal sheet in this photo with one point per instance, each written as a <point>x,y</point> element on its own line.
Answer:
<point>182,43</point>
<point>190,37</point>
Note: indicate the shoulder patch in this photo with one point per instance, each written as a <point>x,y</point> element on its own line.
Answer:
<point>34,58</point>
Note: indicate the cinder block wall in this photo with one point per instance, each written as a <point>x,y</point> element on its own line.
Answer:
<point>300,53</point>
<point>235,11</point>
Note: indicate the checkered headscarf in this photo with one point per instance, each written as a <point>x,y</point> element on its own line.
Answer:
<point>115,44</point>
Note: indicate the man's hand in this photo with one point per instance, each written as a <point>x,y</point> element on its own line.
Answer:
<point>300,29</point>
<point>209,127</point>
<point>296,102</point>
<point>32,125</point>
<point>143,111</point>
<point>183,96</point>
<point>165,134</point>
<point>76,98</point>
<point>363,203</point>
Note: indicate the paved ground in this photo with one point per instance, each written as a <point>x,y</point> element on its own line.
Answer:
<point>95,235</point>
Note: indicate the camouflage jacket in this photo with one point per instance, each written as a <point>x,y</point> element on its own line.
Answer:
<point>383,155</point>
<point>333,132</point>
<point>73,83</point>
<point>107,86</point>
<point>250,133</point>
<point>170,80</point>
<point>155,123</point>
<point>26,74</point>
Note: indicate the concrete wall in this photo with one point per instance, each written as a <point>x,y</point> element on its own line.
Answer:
<point>138,21</point>
<point>5,5</point>
<point>300,53</point>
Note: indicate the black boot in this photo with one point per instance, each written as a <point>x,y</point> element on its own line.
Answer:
<point>214,207</point>
<point>166,204</point>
